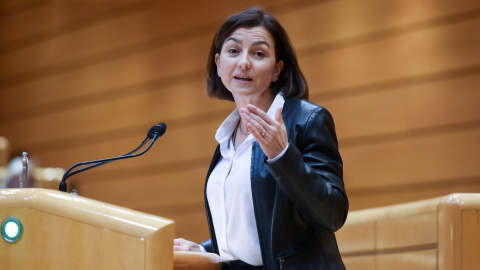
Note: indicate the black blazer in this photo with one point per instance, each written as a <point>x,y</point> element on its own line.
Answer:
<point>300,200</point>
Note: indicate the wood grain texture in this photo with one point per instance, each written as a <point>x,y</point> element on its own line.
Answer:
<point>67,231</point>
<point>439,233</point>
<point>82,81</point>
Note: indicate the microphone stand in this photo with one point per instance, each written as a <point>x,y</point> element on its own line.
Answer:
<point>154,133</point>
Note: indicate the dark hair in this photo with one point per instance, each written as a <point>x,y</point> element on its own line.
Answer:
<point>290,82</point>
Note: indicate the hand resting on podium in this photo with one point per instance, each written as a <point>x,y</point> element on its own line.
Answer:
<point>190,255</point>
<point>181,244</point>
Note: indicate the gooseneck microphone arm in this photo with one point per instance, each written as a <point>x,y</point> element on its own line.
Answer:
<point>68,173</point>
<point>154,133</point>
<point>99,162</point>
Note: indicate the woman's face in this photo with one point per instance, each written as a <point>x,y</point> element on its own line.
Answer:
<point>247,64</point>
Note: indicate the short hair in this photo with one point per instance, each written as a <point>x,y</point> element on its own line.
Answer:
<point>290,82</point>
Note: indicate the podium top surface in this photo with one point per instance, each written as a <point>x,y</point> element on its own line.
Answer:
<point>450,201</point>
<point>84,210</point>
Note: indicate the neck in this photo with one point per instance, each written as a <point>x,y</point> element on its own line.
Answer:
<point>242,128</point>
<point>263,102</point>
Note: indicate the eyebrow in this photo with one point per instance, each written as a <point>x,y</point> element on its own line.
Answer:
<point>254,43</point>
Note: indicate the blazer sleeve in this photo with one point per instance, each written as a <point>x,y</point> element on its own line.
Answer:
<point>310,173</point>
<point>207,245</point>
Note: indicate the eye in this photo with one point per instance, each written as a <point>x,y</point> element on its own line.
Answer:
<point>232,51</point>
<point>259,54</point>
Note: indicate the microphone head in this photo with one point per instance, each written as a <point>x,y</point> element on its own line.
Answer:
<point>158,130</point>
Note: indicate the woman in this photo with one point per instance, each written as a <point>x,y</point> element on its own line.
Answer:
<point>274,191</point>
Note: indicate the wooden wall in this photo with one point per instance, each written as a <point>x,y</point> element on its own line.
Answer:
<point>83,80</point>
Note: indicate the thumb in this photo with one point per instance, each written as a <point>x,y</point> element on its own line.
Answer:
<point>278,115</point>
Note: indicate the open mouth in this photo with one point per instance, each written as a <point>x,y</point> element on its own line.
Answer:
<point>243,79</point>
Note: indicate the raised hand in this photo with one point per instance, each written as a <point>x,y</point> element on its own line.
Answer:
<point>270,133</point>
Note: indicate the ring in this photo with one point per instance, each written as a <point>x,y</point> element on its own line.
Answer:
<point>263,133</point>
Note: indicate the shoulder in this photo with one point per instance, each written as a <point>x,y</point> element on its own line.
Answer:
<point>305,119</point>
<point>301,108</point>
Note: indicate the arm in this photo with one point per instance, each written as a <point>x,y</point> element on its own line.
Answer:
<point>310,173</point>
<point>207,245</point>
<point>181,244</point>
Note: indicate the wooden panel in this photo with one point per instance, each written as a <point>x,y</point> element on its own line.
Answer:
<point>35,24</point>
<point>92,40</point>
<point>170,188</point>
<point>365,262</point>
<point>156,69</point>
<point>453,232</point>
<point>406,108</point>
<point>470,238</point>
<point>201,63</point>
<point>177,195</point>
<point>147,25</point>
<point>129,248</point>
<point>444,102</point>
<point>361,198</point>
<point>332,59</point>
<point>118,113</point>
<point>439,156</point>
<point>199,143</point>
<point>404,231</point>
<point>408,237</point>
<point>4,152</point>
<point>10,8</point>
<point>111,32</point>
<point>81,124</point>
<point>416,53</point>
<point>185,260</point>
<point>191,225</point>
<point>347,23</point>
<point>417,260</point>
<point>400,80</point>
<point>431,157</point>
<point>186,208</point>
<point>369,224</point>
<point>115,69</point>
<point>450,233</point>
<point>93,71</point>
<point>196,148</point>
<point>357,236</point>
<point>68,231</point>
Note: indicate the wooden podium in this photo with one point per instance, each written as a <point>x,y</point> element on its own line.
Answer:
<point>436,234</point>
<point>65,231</point>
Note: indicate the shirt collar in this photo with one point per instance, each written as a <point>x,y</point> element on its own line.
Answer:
<point>225,131</point>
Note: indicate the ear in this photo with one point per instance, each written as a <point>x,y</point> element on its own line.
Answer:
<point>278,69</point>
<point>217,62</point>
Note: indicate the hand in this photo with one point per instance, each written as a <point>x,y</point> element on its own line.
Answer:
<point>181,244</point>
<point>270,133</point>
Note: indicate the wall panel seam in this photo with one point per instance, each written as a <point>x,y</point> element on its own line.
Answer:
<point>19,8</point>
<point>68,28</point>
<point>157,42</point>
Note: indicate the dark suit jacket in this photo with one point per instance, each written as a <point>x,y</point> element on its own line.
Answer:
<point>300,200</point>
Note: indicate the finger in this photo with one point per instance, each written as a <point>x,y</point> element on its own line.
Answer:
<point>278,115</point>
<point>257,133</point>
<point>254,126</point>
<point>257,122</point>
<point>178,241</point>
<point>260,113</point>
<point>180,248</point>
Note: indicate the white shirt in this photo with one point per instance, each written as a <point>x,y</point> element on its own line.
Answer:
<point>229,194</point>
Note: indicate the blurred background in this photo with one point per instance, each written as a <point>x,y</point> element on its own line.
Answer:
<point>84,80</point>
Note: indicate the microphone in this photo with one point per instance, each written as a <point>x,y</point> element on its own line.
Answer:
<point>153,134</point>
<point>157,130</point>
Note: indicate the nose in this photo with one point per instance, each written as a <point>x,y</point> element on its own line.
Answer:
<point>244,62</point>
